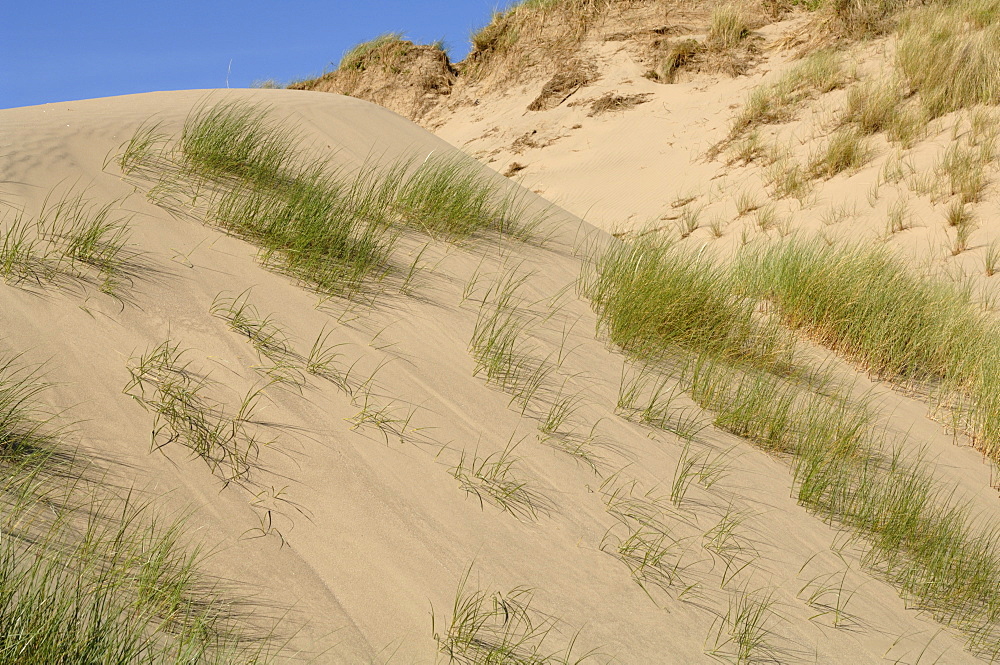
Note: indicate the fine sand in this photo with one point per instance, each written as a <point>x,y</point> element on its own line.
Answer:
<point>358,535</point>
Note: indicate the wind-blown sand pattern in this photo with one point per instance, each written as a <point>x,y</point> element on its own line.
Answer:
<point>523,440</point>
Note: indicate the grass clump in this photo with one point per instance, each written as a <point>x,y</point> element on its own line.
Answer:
<point>451,196</point>
<point>867,304</point>
<point>949,54</point>
<point>492,479</point>
<point>650,293</point>
<point>328,233</point>
<point>847,149</point>
<point>873,107</point>
<point>727,28</point>
<point>332,228</point>
<point>863,302</point>
<point>239,140</point>
<point>323,228</point>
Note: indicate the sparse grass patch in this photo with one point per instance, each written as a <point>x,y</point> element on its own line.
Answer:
<point>898,217</point>
<point>839,213</point>
<point>501,628</point>
<point>185,413</point>
<point>965,225</point>
<point>928,544</point>
<point>88,576</point>
<point>787,177</point>
<point>743,635</point>
<point>991,259</point>
<point>747,149</point>
<point>650,398</point>
<point>492,479</point>
<point>642,538</point>
<point>846,150</point>
<point>963,169</point>
<point>689,221</point>
<point>499,345</point>
<point>746,203</point>
<point>72,239</point>
<point>818,73</point>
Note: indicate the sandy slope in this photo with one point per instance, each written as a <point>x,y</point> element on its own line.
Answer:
<point>631,169</point>
<point>370,532</point>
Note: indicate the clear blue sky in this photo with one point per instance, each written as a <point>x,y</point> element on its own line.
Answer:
<point>58,50</point>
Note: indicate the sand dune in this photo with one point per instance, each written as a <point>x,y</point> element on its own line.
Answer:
<point>361,515</point>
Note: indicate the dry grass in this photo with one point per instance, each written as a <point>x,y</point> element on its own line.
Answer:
<point>728,27</point>
<point>950,54</point>
<point>610,102</point>
<point>531,33</point>
<point>819,73</point>
<point>672,56</point>
<point>847,149</point>
<point>864,18</point>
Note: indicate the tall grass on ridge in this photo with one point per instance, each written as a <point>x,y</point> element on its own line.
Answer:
<point>867,304</point>
<point>651,295</point>
<point>918,536</point>
<point>530,32</point>
<point>949,54</point>
<point>332,228</point>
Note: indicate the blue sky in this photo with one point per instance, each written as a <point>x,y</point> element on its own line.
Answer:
<point>63,50</point>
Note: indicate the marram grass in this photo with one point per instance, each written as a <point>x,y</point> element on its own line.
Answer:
<point>675,308</point>
<point>87,576</point>
<point>332,228</point>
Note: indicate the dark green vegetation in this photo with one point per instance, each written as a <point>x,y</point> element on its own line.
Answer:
<point>91,576</point>
<point>677,310</point>
<point>866,303</point>
<point>330,228</point>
